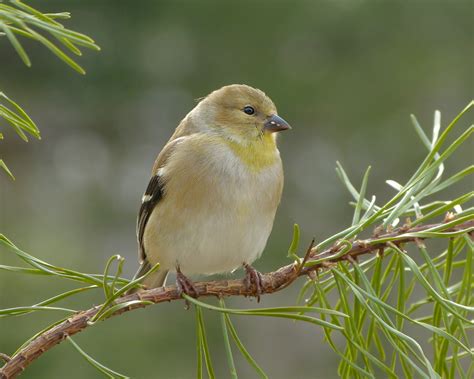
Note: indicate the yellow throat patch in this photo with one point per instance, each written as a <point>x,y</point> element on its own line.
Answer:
<point>256,154</point>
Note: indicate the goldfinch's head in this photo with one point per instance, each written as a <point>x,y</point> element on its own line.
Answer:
<point>243,113</point>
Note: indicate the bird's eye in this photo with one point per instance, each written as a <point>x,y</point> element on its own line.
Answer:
<point>249,110</point>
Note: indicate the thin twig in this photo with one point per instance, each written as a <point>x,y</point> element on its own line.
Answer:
<point>309,251</point>
<point>271,282</point>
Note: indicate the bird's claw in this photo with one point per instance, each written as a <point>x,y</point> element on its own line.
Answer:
<point>185,285</point>
<point>253,281</point>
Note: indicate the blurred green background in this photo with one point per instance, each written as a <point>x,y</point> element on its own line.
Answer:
<point>345,74</point>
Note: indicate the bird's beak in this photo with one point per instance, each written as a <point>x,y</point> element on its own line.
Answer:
<point>275,123</point>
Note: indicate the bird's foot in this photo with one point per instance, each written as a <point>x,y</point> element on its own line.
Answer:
<point>253,281</point>
<point>185,285</point>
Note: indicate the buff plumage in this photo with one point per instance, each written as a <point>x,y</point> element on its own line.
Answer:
<point>215,187</point>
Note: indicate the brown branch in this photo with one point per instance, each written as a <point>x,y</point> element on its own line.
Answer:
<point>271,282</point>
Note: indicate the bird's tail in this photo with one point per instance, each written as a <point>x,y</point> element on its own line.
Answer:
<point>154,280</point>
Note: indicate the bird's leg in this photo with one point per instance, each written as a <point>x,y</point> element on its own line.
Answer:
<point>185,285</point>
<point>253,281</point>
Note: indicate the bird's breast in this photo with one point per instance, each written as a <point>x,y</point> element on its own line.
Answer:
<point>210,174</point>
<point>215,213</point>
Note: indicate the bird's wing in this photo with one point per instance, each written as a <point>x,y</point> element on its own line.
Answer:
<point>153,194</point>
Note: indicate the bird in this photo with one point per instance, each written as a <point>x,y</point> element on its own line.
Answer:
<point>214,190</point>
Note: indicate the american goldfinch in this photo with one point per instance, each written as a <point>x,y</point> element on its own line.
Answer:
<point>215,187</point>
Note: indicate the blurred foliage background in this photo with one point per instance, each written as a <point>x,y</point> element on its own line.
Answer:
<point>345,74</point>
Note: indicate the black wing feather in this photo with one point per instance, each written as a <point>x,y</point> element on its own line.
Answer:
<point>153,194</point>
